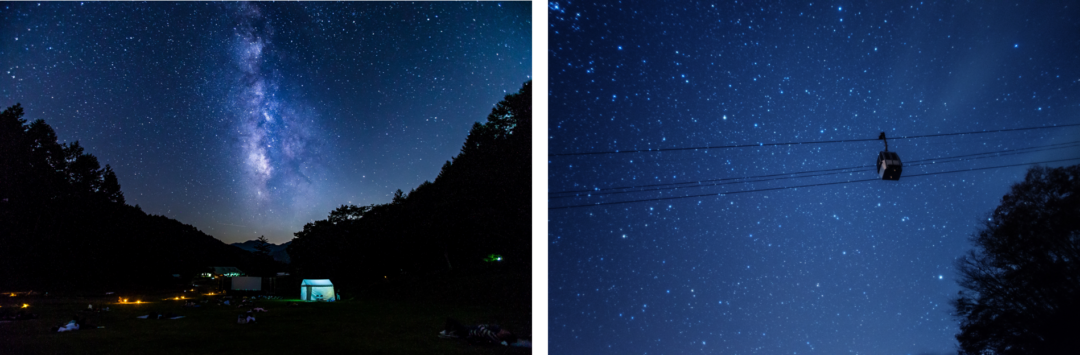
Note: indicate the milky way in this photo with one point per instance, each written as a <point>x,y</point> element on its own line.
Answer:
<point>249,119</point>
<point>276,142</point>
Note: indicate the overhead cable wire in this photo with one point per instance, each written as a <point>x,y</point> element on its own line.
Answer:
<point>695,183</point>
<point>655,150</point>
<point>798,186</point>
<point>801,174</point>
<point>1031,149</point>
<point>970,157</point>
<point>714,182</point>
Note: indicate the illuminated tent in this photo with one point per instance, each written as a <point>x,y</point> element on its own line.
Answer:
<point>314,290</point>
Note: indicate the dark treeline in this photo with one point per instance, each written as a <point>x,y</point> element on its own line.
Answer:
<point>64,223</point>
<point>477,206</point>
<point>1021,284</point>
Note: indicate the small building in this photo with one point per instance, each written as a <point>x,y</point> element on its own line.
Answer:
<point>222,271</point>
<point>218,277</point>
<point>316,290</point>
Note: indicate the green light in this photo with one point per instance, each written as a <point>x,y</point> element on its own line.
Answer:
<point>493,257</point>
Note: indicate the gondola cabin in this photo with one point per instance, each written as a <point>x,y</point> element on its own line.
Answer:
<point>889,166</point>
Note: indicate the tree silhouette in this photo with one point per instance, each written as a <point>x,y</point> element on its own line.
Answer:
<point>262,246</point>
<point>399,197</point>
<point>348,213</point>
<point>1022,282</point>
<point>110,187</point>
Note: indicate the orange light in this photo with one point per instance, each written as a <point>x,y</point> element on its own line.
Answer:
<point>13,294</point>
<point>24,305</point>
<point>137,301</point>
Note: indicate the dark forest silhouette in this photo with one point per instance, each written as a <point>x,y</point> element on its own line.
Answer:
<point>64,223</point>
<point>1022,282</point>
<point>478,205</point>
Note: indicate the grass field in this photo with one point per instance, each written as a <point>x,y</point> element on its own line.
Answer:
<point>376,325</point>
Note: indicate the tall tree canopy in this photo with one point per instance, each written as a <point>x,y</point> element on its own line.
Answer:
<point>1022,282</point>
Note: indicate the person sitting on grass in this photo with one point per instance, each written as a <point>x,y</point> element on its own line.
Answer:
<point>71,325</point>
<point>245,319</point>
<point>479,334</point>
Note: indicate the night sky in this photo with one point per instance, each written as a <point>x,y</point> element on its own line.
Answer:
<point>863,267</point>
<point>249,119</point>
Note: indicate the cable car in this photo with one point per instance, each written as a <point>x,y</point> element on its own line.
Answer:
<point>888,163</point>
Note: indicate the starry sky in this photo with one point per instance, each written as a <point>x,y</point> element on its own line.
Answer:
<point>249,119</point>
<point>865,267</point>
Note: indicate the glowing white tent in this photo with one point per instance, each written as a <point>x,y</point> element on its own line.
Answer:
<point>315,290</point>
